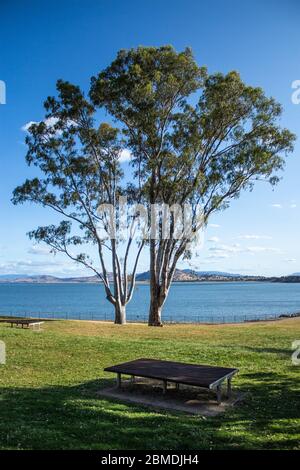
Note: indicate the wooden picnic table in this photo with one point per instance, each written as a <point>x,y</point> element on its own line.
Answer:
<point>28,322</point>
<point>203,376</point>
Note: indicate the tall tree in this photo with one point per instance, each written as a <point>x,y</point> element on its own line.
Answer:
<point>79,170</point>
<point>195,138</point>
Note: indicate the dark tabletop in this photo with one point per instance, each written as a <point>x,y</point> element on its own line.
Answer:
<point>188,374</point>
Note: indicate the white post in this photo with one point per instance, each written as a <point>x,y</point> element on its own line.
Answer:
<point>2,353</point>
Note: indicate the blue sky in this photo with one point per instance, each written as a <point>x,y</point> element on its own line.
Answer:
<point>74,39</point>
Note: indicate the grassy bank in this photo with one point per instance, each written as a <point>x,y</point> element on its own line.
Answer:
<point>49,386</point>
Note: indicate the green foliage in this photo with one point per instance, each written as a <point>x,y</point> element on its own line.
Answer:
<point>195,138</point>
<point>217,147</point>
<point>79,163</point>
<point>79,167</point>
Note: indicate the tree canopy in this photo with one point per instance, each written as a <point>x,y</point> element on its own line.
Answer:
<point>195,138</point>
<point>79,170</point>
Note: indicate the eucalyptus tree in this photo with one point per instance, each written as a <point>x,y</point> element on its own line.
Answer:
<point>196,139</point>
<point>79,171</point>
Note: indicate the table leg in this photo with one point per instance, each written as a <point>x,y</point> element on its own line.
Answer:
<point>229,388</point>
<point>132,380</point>
<point>165,385</point>
<point>119,382</point>
<point>219,394</point>
<point>177,386</point>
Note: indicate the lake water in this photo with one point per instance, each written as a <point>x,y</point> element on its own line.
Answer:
<point>187,302</point>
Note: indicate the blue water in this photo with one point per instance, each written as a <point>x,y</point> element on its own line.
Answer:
<point>213,302</point>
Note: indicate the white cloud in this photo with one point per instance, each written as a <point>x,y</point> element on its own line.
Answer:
<point>221,249</point>
<point>214,239</point>
<point>26,126</point>
<point>254,237</point>
<point>38,250</point>
<point>35,264</point>
<point>290,260</point>
<point>292,205</point>
<point>218,256</point>
<point>125,155</point>
<point>214,225</point>
<point>50,123</point>
<point>262,249</point>
<point>38,267</point>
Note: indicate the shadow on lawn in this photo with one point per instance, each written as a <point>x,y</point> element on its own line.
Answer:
<point>281,352</point>
<point>62,417</point>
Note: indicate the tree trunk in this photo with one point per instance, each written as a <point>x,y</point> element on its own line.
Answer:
<point>155,315</point>
<point>155,297</point>
<point>120,314</point>
<point>156,304</point>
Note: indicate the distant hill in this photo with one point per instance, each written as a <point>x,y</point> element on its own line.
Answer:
<point>12,276</point>
<point>211,273</point>
<point>179,275</point>
<point>44,279</point>
<point>186,275</point>
<point>293,278</point>
<point>145,276</point>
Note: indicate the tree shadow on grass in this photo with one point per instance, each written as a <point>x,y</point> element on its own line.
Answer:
<point>75,417</point>
<point>281,352</point>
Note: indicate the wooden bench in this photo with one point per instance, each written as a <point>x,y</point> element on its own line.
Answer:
<point>203,376</point>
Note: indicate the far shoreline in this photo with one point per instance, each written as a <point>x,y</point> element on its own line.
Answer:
<point>281,317</point>
<point>206,281</point>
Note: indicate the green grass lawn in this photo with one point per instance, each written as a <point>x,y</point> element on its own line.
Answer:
<point>49,387</point>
